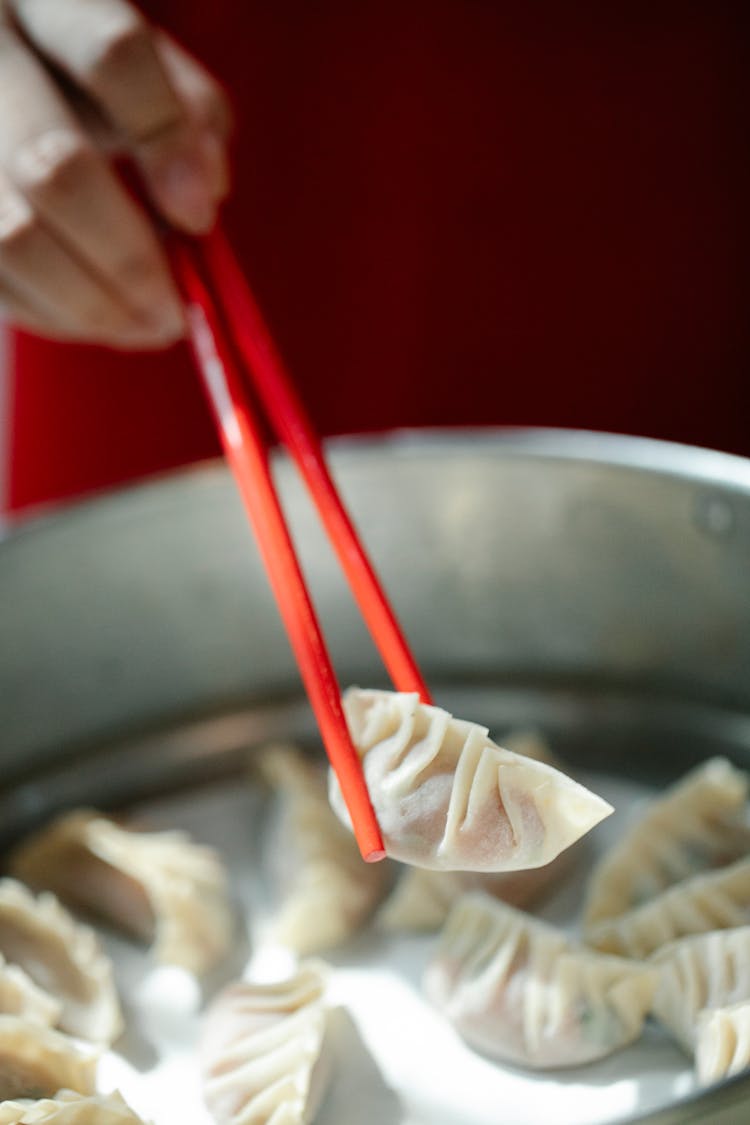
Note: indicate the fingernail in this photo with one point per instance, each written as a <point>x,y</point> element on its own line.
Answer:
<point>167,322</point>
<point>186,193</point>
<point>157,305</point>
<point>161,321</point>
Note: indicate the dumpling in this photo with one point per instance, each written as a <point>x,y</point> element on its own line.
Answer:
<point>328,891</point>
<point>717,900</point>
<point>262,1054</point>
<point>69,1108</point>
<point>422,898</point>
<point>723,1043</point>
<point>36,1062</point>
<point>707,971</point>
<point>447,797</point>
<point>62,957</point>
<point>518,990</point>
<point>698,824</point>
<point>19,996</point>
<point>157,886</point>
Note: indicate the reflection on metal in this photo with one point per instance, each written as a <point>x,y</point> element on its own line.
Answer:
<point>595,585</point>
<point>552,555</point>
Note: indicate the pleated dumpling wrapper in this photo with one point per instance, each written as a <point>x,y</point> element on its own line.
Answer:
<point>36,1062</point>
<point>262,1050</point>
<point>715,900</point>
<point>698,824</point>
<point>520,991</point>
<point>422,898</point>
<point>723,1043</point>
<point>709,970</point>
<point>69,1108</point>
<point>447,797</point>
<point>63,957</point>
<point>327,892</point>
<point>158,886</point>
<point>19,996</point>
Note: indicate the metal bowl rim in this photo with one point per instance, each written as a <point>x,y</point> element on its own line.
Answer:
<point>708,467</point>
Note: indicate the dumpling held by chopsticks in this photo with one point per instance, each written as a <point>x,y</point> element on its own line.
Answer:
<point>446,796</point>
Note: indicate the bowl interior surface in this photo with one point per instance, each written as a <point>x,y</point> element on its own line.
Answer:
<point>592,586</point>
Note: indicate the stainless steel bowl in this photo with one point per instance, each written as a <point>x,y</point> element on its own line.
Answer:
<point>596,585</point>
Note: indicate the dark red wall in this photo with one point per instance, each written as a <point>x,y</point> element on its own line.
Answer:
<point>475,212</point>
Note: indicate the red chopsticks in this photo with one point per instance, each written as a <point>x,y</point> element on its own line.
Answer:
<point>288,417</point>
<point>230,342</point>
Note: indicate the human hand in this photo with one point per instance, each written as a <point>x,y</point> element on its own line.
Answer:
<point>79,259</point>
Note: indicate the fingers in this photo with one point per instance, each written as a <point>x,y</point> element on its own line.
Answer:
<point>79,198</point>
<point>72,235</point>
<point>44,278</point>
<point>204,97</point>
<point>111,52</point>
<point>24,315</point>
<point>206,104</point>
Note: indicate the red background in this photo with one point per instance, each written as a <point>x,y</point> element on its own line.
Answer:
<point>454,212</point>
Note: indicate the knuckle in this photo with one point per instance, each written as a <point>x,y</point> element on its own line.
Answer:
<point>212,105</point>
<point>53,162</point>
<point>222,114</point>
<point>119,45</point>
